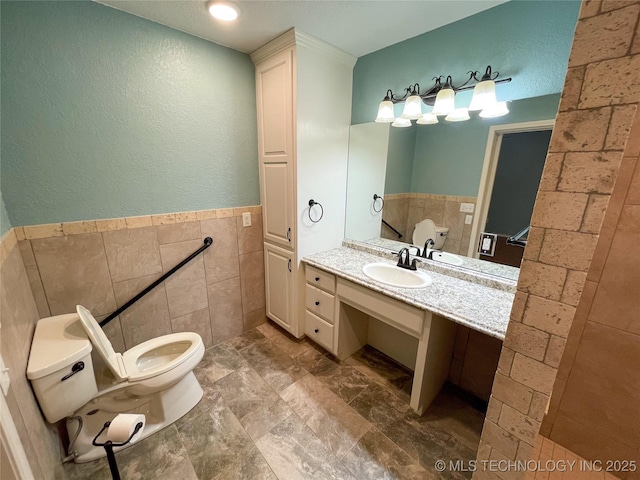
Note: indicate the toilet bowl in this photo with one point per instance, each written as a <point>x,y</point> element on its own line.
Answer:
<point>154,378</point>
<point>427,229</point>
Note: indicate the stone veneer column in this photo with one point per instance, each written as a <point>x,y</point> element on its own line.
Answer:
<point>598,106</point>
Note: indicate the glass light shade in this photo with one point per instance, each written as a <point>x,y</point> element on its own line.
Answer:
<point>385,112</point>
<point>497,110</point>
<point>458,115</point>
<point>223,10</point>
<point>427,119</point>
<point>401,122</point>
<point>444,102</point>
<point>484,96</point>
<point>412,108</point>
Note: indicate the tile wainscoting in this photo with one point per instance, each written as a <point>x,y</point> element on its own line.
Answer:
<point>101,264</point>
<point>404,210</point>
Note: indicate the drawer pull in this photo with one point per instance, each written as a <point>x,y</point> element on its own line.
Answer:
<point>317,303</point>
<point>316,330</point>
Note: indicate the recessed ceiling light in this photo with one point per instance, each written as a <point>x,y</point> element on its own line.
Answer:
<point>222,10</point>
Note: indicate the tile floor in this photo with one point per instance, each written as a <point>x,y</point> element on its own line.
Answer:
<point>280,408</point>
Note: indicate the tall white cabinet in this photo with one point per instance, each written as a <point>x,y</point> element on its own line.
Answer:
<point>303,93</point>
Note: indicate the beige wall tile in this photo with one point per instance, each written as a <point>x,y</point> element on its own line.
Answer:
<point>198,322</point>
<point>592,172</point>
<point>615,300</point>
<point>43,231</point>
<point>252,281</point>
<point>604,36</point>
<point>602,85</point>
<point>549,316</point>
<point>19,231</point>
<point>27,253</point>
<point>620,126</point>
<point>594,214</point>
<point>560,210</point>
<point>250,238</point>
<point>434,209</point>
<point>572,250</point>
<point>254,319</point>
<point>512,393</point>
<point>526,340</point>
<point>534,243</point>
<point>111,224</point>
<point>186,288</point>
<point>500,439</point>
<point>551,172</point>
<point>608,5</point>
<point>573,287</point>
<point>148,317</point>
<point>225,308</point>
<point>582,130</point>
<point>606,362</point>
<point>633,197</point>
<point>590,8</point>
<point>139,222</point>
<point>538,407</point>
<point>224,213</point>
<point>76,228</point>
<point>164,219</point>
<point>541,280</point>
<point>183,217</point>
<point>454,219</point>
<point>532,373</point>
<point>572,87</point>
<point>493,409</point>
<point>632,147</point>
<point>506,360</point>
<point>178,232</point>
<point>74,271</point>
<point>518,424</point>
<point>205,214</point>
<point>23,433</point>
<point>554,352</point>
<point>221,259</point>
<point>38,292</point>
<point>132,253</point>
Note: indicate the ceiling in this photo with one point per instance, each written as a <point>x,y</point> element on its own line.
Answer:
<point>358,27</point>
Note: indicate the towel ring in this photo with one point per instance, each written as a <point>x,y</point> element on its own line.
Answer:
<point>312,203</point>
<point>377,197</point>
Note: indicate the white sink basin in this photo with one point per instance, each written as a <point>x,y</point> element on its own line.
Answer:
<point>448,258</point>
<point>395,276</point>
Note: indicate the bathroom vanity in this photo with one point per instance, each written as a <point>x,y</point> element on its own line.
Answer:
<point>345,310</point>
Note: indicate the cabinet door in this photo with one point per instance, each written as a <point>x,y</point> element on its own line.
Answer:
<point>277,204</point>
<point>274,85</point>
<point>279,286</point>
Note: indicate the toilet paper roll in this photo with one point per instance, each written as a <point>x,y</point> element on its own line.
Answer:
<point>123,426</point>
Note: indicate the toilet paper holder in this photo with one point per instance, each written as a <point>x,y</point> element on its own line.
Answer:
<point>109,445</point>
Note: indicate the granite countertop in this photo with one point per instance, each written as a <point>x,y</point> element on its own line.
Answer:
<point>476,306</point>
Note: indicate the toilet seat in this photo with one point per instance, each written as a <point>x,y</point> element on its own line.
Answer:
<point>424,230</point>
<point>132,366</point>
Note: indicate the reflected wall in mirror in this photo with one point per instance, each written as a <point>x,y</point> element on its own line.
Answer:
<point>430,170</point>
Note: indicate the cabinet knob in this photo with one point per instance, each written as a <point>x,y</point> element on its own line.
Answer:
<point>317,279</point>
<point>316,330</point>
<point>317,303</point>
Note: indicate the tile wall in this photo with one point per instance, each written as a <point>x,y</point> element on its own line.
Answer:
<point>404,210</point>
<point>102,264</point>
<point>19,314</point>
<point>596,113</point>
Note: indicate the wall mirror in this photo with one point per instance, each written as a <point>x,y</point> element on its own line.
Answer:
<point>472,177</point>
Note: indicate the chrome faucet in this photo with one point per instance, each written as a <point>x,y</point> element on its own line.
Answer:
<point>403,260</point>
<point>427,244</point>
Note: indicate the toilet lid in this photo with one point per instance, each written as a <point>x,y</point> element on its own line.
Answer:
<point>424,230</point>
<point>100,341</point>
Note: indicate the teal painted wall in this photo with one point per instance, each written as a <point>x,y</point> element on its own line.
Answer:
<point>105,114</point>
<point>400,153</point>
<point>526,40</point>
<point>449,156</point>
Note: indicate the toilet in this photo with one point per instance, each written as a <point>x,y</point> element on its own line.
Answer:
<point>76,374</point>
<point>427,229</point>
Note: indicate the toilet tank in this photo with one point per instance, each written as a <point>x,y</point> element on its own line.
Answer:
<point>60,367</point>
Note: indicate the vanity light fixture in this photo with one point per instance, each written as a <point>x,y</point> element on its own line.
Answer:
<point>223,10</point>
<point>442,97</point>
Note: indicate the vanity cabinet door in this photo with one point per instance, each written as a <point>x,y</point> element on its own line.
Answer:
<point>279,283</point>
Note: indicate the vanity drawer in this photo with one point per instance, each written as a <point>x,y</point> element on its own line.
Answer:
<point>318,330</point>
<point>320,279</point>
<point>321,303</point>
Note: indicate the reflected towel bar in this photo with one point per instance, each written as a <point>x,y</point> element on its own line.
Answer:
<point>208,241</point>
<point>515,239</point>
<point>394,230</point>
